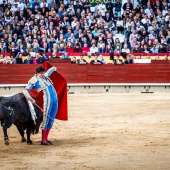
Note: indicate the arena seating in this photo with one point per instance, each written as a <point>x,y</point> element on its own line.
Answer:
<point>107,57</point>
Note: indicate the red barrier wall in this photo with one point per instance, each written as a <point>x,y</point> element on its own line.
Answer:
<point>135,73</point>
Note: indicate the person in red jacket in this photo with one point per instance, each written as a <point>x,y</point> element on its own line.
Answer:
<point>85,48</point>
<point>69,48</point>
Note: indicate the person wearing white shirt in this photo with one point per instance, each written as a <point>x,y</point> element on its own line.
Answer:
<point>145,19</point>
<point>165,11</point>
<point>125,49</point>
<point>102,59</point>
<point>43,4</point>
<point>21,5</point>
<point>133,35</point>
<point>148,11</point>
<point>66,2</point>
<point>73,23</point>
<point>119,25</point>
<point>94,49</point>
<point>102,8</point>
<point>14,7</point>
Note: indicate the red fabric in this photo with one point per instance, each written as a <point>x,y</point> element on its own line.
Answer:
<point>153,1</point>
<point>86,49</point>
<point>60,86</point>
<point>70,50</point>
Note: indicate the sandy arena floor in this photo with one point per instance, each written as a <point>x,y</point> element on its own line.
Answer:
<point>104,132</point>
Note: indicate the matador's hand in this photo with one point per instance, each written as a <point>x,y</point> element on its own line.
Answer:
<point>32,100</point>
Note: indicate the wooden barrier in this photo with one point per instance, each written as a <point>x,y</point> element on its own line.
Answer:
<point>135,73</point>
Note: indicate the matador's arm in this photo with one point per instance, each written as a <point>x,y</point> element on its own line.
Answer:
<point>31,84</point>
<point>50,71</point>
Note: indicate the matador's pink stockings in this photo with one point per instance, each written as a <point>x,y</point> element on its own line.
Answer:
<point>46,135</point>
<point>43,135</point>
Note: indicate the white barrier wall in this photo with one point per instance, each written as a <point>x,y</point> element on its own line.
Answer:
<point>98,88</point>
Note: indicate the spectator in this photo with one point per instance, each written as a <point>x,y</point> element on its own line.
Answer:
<point>40,58</point>
<point>109,7</point>
<point>77,48</point>
<point>61,49</point>
<point>45,56</point>
<point>86,5</point>
<point>145,49</point>
<point>117,50</point>
<point>154,49</point>
<point>69,48</point>
<point>125,49</point>
<point>157,57</point>
<point>94,49</point>
<point>118,61</point>
<point>109,49</point>
<point>165,57</point>
<point>126,42</point>
<point>3,5</point>
<point>81,60</point>
<point>128,6</point>
<point>110,43</point>
<point>134,42</point>
<point>162,49</point>
<point>102,8</point>
<point>35,48</point>
<point>118,7</point>
<point>19,59</point>
<point>28,60</point>
<point>119,25</point>
<point>85,48</point>
<point>21,49</point>
<point>3,47</point>
<point>13,60</point>
<point>117,42</point>
<point>1,59</point>
<point>102,49</point>
<point>54,55</point>
<point>168,49</point>
<point>7,60</point>
<point>136,48</point>
<point>128,60</point>
<point>65,56</point>
<point>78,6</point>
<point>73,61</point>
<point>102,59</point>
<point>95,60</point>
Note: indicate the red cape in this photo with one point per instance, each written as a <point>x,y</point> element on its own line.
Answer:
<point>60,85</point>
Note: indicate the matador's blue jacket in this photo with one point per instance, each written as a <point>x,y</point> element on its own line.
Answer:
<point>50,105</point>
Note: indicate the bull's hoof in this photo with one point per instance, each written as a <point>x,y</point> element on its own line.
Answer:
<point>23,139</point>
<point>29,142</point>
<point>6,142</point>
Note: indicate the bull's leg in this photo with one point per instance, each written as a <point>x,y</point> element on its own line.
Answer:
<point>28,136</point>
<point>5,125</point>
<point>21,131</point>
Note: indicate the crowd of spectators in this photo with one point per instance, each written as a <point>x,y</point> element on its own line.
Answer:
<point>70,26</point>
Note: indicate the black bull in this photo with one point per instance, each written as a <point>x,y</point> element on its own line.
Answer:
<point>15,110</point>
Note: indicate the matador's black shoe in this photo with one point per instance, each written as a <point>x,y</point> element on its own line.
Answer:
<point>49,142</point>
<point>44,143</point>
